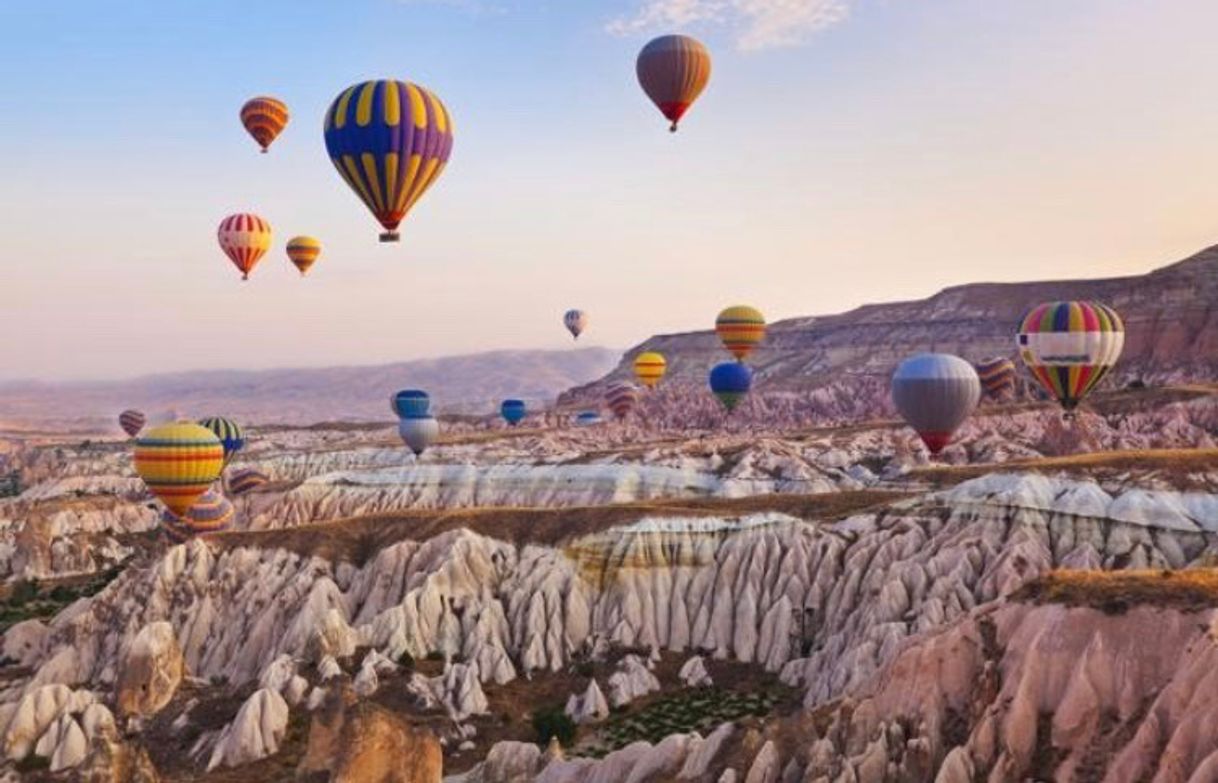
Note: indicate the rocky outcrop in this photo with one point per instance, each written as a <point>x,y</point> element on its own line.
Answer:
<point>356,742</point>
<point>151,671</point>
<point>588,707</point>
<point>631,680</point>
<point>255,733</point>
<point>55,723</point>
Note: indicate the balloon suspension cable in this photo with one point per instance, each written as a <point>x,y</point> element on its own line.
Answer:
<point>390,236</point>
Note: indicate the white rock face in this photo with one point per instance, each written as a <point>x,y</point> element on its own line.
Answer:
<point>47,722</point>
<point>694,674</point>
<point>589,706</point>
<point>151,671</point>
<point>255,733</point>
<point>631,680</point>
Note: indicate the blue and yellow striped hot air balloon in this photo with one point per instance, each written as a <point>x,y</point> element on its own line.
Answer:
<point>178,462</point>
<point>211,513</point>
<point>1070,346</point>
<point>389,141</point>
<point>228,431</point>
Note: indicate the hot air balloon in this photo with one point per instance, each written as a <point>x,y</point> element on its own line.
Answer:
<point>997,377</point>
<point>132,421</point>
<point>389,141</point>
<point>179,462</point>
<point>621,398</point>
<point>264,118</point>
<point>587,418</point>
<point>211,513</point>
<point>935,393</point>
<point>244,238</point>
<point>740,328</point>
<point>409,403</point>
<point>1070,347</point>
<point>649,368</point>
<point>419,432</point>
<point>228,431</point>
<point>575,321</point>
<point>513,411</point>
<point>673,70</point>
<point>246,479</point>
<point>303,253</point>
<point>730,382</point>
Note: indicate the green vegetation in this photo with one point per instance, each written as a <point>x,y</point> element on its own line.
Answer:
<point>30,600</point>
<point>553,722</point>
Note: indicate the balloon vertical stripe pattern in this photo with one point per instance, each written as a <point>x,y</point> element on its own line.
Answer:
<point>1069,347</point>
<point>244,238</point>
<point>264,118</point>
<point>389,140</point>
<point>575,321</point>
<point>673,70</point>
<point>228,432</point>
<point>935,393</point>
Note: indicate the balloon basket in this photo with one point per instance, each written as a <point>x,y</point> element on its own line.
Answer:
<point>390,236</point>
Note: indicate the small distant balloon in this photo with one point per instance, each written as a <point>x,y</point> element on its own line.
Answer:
<point>575,321</point>
<point>649,368</point>
<point>730,382</point>
<point>245,480</point>
<point>997,377</point>
<point>264,118</point>
<point>244,238</point>
<point>513,411</point>
<point>228,431</point>
<point>740,329</point>
<point>935,393</point>
<point>303,252</point>
<point>621,399</point>
<point>211,513</point>
<point>673,70</point>
<point>132,421</point>
<point>1070,347</point>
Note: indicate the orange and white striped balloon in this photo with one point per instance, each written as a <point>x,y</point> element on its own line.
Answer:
<point>244,238</point>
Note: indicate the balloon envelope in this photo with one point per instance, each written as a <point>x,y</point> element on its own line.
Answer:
<point>513,411</point>
<point>211,513</point>
<point>132,421</point>
<point>228,431</point>
<point>1070,346</point>
<point>178,462</point>
<point>649,368</point>
<point>418,433</point>
<point>673,70</point>
<point>244,238</point>
<point>246,479</point>
<point>575,321</point>
<point>997,377</point>
<point>730,382</point>
<point>264,118</point>
<point>587,418</point>
<point>935,393</point>
<point>621,398</point>
<point>303,252</point>
<point>411,404</point>
<point>740,329</point>
<point>389,140</point>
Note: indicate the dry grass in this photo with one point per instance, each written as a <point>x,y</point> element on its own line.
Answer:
<point>1115,592</point>
<point>359,538</point>
<point>1172,464</point>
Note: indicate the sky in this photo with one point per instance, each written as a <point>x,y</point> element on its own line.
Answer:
<point>845,152</point>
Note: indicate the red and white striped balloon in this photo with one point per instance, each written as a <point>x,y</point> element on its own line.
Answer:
<point>244,238</point>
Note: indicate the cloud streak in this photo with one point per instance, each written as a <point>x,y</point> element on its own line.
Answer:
<point>756,24</point>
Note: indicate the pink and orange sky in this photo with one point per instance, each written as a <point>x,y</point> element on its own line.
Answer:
<point>846,151</point>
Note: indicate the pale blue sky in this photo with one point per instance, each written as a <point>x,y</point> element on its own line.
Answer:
<point>846,151</point>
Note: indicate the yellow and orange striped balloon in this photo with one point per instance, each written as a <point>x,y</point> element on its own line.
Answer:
<point>178,462</point>
<point>264,118</point>
<point>740,328</point>
<point>303,252</point>
<point>649,368</point>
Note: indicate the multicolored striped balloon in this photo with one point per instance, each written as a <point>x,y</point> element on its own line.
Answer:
<point>264,118</point>
<point>513,411</point>
<point>997,377</point>
<point>132,421</point>
<point>244,238</point>
<point>575,321</point>
<point>730,382</point>
<point>621,398</point>
<point>211,513</point>
<point>229,433</point>
<point>935,393</point>
<point>303,252</point>
<point>246,479</point>
<point>178,462</point>
<point>740,328</point>
<point>389,140</point>
<point>1070,346</point>
<point>649,368</point>
<point>673,70</point>
<point>411,404</point>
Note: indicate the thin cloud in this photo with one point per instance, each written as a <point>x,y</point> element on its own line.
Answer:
<point>756,24</point>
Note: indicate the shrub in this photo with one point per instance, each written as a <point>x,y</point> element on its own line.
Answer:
<point>24,591</point>
<point>553,722</point>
